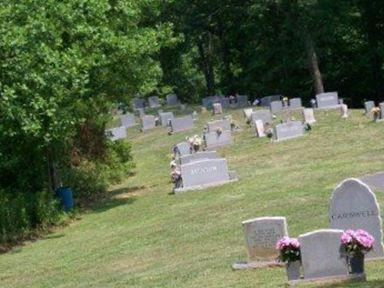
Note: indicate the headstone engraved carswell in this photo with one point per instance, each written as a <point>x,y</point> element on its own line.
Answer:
<point>204,173</point>
<point>288,130</point>
<point>116,133</point>
<point>309,116</point>
<point>182,123</point>
<point>172,100</point>
<point>223,124</point>
<point>295,103</point>
<point>261,236</point>
<point>153,102</point>
<point>260,129</point>
<point>127,120</point>
<point>327,100</point>
<point>148,122</point>
<point>354,206</point>
<point>263,115</point>
<point>215,139</point>
<point>185,159</point>
<point>165,117</point>
<point>276,106</point>
<point>321,255</point>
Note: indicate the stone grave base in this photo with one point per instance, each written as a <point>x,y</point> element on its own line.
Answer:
<point>232,178</point>
<point>329,107</point>
<point>287,138</point>
<point>329,280</point>
<point>256,265</point>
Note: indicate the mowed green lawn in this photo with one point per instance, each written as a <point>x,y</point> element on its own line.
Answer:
<point>145,237</point>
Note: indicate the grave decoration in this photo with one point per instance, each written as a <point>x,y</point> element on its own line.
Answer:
<point>289,249</point>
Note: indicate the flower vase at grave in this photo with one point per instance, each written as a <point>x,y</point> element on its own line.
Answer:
<point>293,270</point>
<point>356,262</point>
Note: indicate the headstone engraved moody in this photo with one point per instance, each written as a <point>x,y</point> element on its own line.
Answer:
<point>288,130</point>
<point>260,129</point>
<point>321,254</point>
<point>295,103</point>
<point>204,173</point>
<point>224,124</point>
<point>165,117</point>
<point>148,122</point>
<point>263,115</point>
<point>309,116</point>
<point>217,108</point>
<point>172,100</point>
<point>369,105</point>
<point>276,106</point>
<point>185,159</point>
<point>116,133</point>
<point>182,123</point>
<point>214,139</point>
<point>354,206</point>
<point>261,235</point>
<point>127,120</point>
<point>153,102</point>
<point>327,100</point>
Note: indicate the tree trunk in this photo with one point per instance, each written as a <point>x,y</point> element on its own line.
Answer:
<point>206,55</point>
<point>314,66</point>
<point>53,171</point>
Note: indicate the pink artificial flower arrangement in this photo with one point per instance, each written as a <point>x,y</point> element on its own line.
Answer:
<point>358,241</point>
<point>289,249</point>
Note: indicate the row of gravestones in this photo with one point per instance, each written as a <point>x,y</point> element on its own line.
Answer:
<point>201,169</point>
<point>352,206</point>
<point>369,105</point>
<point>226,102</point>
<point>154,102</point>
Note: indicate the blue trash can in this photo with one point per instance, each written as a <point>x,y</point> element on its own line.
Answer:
<point>66,198</point>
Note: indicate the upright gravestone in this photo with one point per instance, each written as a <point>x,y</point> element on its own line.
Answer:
<point>248,113</point>
<point>153,102</point>
<point>138,103</point>
<point>165,117</point>
<point>185,159</point>
<point>204,173</point>
<point>261,235</point>
<point>288,130</point>
<point>217,108</point>
<point>295,103</point>
<point>381,105</point>
<point>327,100</point>
<point>260,129</point>
<point>354,206</point>
<point>116,133</point>
<point>266,101</point>
<point>276,106</point>
<point>182,149</point>
<point>321,255</point>
<point>369,105</point>
<point>263,115</point>
<point>207,102</point>
<point>172,100</point>
<point>223,124</point>
<point>224,101</point>
<point>242,100</point>
<point>148,122</point>
<point>309,116</point>
<point>127,120</point>
<point>215,139</point>
<point>182,123</point>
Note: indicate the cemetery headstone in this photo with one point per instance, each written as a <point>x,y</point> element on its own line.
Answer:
<point>248,113</point>
<point>344,111</point>
<point>116,133</point>
<point>214,139</point>
<point>276,106</point>
<point>266,101</point>
<point>321,254</point>
<point>263,115</point>
<point>181,149</point>
<point>224,101</point>
<point>138,103</point>
<point>354,206</point>
<point>127,120</point>
<point>288,130</point>
<point>261,235</point>
<point>172,100</point>
<point>242,100</point>
<point>207,102</point>
<point>327,100</point>
<point>381,105</point>
<point>224,124</point>
<point>141,112</point>
<point>148,122</point>
<point>165,117</point>
<point>295,103</point>
<point>185,159</point>
<point>309,116</point>
<point>153,102</point>
<point>369,105</point>
<point>182,123</point>
<point>217,108</point>
<point>260,129</point>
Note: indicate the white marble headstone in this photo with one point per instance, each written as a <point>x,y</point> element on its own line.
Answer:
<point>260,129</point>
<point>309,116</point>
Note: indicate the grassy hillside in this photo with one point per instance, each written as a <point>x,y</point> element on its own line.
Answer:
<point>145,237</point>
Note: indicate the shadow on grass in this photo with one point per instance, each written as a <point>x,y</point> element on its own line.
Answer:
<point>356,284</point>
<point>117,197</point>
